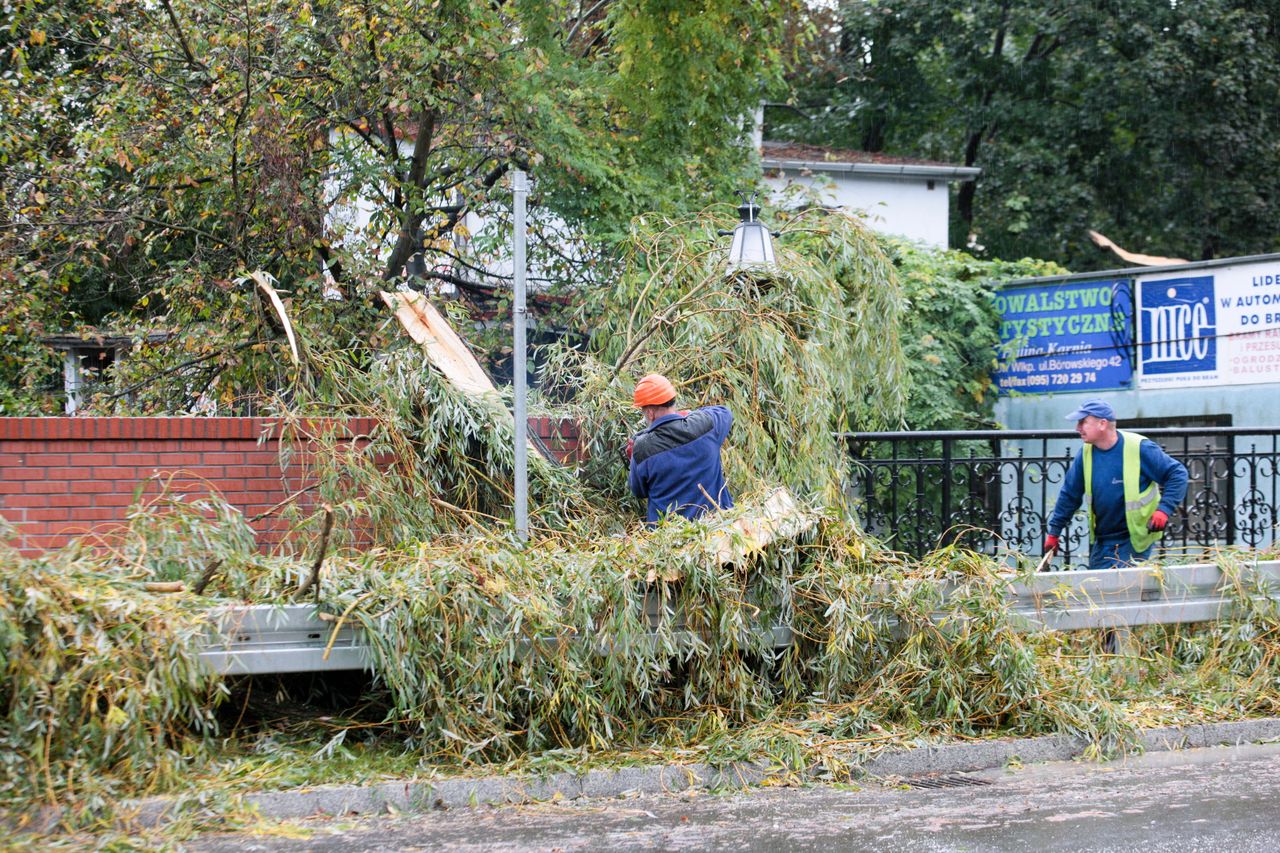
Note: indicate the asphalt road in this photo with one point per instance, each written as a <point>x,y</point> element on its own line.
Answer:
<point>1224,799</point>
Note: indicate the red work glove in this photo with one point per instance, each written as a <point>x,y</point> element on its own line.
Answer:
<point>1051,544</point>
<point>1158,520</point>
<point>631,448</point>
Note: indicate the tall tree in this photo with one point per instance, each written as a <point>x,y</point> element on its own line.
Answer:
<point>1153,122</point>
<point>161,150</point>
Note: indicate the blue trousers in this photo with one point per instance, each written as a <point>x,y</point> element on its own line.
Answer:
<point>1114,554</point>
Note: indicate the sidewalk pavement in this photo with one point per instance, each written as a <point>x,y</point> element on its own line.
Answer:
<point>422,794</point>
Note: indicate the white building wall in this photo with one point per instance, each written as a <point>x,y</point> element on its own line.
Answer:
<point>915,208</point>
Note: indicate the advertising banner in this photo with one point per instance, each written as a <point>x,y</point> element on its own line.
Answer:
<point>1066,336</point>
<point>1218,326</point>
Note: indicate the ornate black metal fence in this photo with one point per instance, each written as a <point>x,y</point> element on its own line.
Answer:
<point>994,490</point>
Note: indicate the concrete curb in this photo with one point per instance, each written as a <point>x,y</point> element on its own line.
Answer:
<point>420,795</point>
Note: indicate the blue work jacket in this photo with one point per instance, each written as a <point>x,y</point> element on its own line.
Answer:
<point>676,466</point>
<point>1107,489</point>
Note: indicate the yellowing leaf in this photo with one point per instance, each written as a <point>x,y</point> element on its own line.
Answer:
<point>116,717</point>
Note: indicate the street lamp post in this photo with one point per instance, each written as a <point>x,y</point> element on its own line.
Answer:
<point>520,191</point>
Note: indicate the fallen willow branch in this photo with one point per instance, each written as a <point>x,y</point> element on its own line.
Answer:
<point>313,579</point>
<point>466,639</point>
<point>207,577</point>
<point>272,510</point>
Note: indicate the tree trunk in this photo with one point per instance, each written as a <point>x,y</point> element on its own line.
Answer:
<point>412,215</point>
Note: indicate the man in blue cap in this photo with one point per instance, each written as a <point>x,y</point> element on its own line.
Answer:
<point>1128,484</point>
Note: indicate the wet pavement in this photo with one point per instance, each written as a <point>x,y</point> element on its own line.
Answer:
<point>1222,799</point>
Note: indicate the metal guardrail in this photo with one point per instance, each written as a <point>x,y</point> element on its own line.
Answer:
<point>267,639</point>
<point>261,639</point>
<point>1065,601</point>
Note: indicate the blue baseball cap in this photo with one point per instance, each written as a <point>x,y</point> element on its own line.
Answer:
<point>1097,408</point>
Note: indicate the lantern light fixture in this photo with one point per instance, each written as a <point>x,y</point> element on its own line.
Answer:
<point>752,247</point>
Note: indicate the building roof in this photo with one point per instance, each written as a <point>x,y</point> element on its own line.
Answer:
<point>794,156</point>
<point>1130,272</point>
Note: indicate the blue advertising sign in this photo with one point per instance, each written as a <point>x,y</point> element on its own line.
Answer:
<point>1067,336</point>
<point>1179,327</point>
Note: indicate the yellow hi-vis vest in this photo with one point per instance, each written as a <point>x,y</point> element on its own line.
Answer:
<point>1138,506</point>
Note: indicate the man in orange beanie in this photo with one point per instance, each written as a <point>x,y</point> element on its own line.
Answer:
<point>675,461</point>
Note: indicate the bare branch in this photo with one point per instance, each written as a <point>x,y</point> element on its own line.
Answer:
<point>182,38</point>
<point>313,581</point>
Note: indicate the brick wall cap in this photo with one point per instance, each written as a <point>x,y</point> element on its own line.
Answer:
<point>56,428</point>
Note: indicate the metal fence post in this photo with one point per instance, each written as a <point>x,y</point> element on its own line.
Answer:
<point>946,490</point>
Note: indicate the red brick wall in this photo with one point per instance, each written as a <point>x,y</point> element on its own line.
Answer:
<point>63,477</point>
<point>559,437</point>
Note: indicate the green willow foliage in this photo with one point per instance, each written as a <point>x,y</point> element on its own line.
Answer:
<point>488,653</point>
<point>101,687</point>
<point>485,653</point>
<point>439,462</point>
<point>810,351</point>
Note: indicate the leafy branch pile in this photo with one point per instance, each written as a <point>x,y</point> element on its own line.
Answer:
<point>485,654</point>
<point>102,685</point>
<point>488,653</point>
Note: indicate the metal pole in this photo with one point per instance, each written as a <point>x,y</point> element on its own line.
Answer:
<point>520,187</point>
